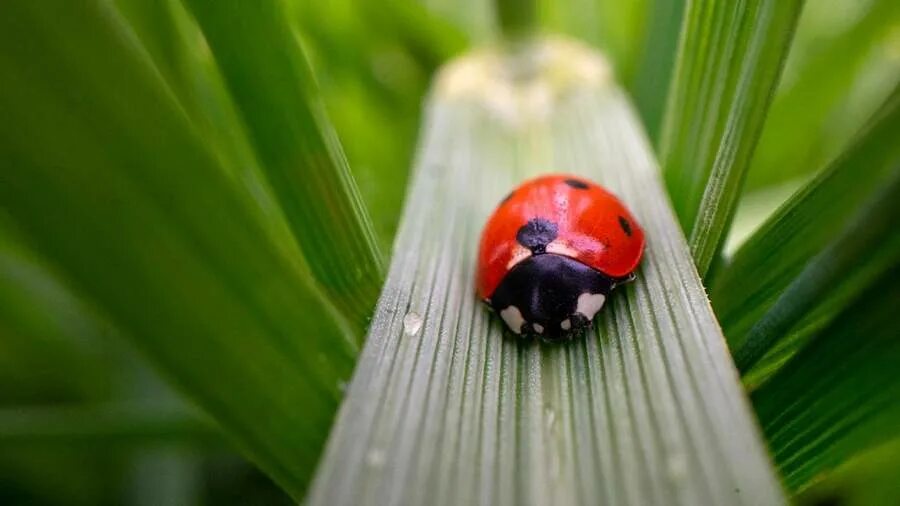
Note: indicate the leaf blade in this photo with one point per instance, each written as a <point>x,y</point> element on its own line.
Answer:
<point>804,229</point>
<point>300,154</point>
<point>104,174</point>
<point>837,396</point>
<point>442,407</point>
<point>730,58</point>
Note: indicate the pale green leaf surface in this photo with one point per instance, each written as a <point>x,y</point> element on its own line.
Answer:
<point>101,170</point>
<point>774,257</point>
<point>274,90</point>
<point>838,396</point>
<point>444,408</point>
<point>729,60</point>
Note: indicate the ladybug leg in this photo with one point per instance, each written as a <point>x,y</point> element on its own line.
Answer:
<point>624,280</point>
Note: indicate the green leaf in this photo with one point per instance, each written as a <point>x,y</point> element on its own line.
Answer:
<point>818,247</point>
<point>868,479</point>
<point>729,60</point>
<point>104,425</point>
<point>838,396</point>
<point>814,116</point>
<point>50,342</point>
<point>102,171</point>
<point>517,17</point>
<point>176,45</point>
<point>446,409</point>
<point>862,252</point>
<point>656,62</point>
<point>617,28</point>
<point>373,61</point>
<point>274,89</point>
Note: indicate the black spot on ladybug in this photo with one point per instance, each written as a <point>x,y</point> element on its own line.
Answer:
<point>507,197</point>
<point>577,184</point>
<point>537,234</point>
<point>626,227</point>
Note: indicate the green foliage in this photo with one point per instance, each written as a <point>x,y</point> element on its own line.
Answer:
<point>729,61</point>
<point>169,175</point>
<point>275,92</point>
<point>858,255</point>
<point>48,337</point>
<point>124,424</point>
<point>618,28</point>
<point>866,480</point>
<point>445,408</point>
<point>106,176</point>
<point>817,250</point>
<point>838,395</point>
<point>650,82</point>
<point>814,113</point>
<point>373,62</point>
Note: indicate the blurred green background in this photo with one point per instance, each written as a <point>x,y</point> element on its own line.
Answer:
<point>85,421</point>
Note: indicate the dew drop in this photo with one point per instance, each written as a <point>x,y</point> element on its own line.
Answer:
<point>549,417</point>
<point>412,323</point>
<point>676,466</point>
<point>375,458</point>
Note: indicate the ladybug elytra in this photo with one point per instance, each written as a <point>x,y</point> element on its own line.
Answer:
<point>551,253</point>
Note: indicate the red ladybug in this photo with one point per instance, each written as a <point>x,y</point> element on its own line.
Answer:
<point>551,253</point>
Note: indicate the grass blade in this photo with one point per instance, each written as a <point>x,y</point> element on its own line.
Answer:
<point>729,61</point>
<point>108,424</point>
<point>867,245</point>
<point>274,90</point>
<point>804,228</point>
<point>813,116</point>
<point>102,171</point>
<point>517,18</point>
<point>838,396</point>
<point>651,80</point>
<point>49,339</point>
<point>443,409</point>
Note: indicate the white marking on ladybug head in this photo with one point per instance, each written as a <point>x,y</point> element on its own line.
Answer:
<point>538,328</point>
<point>589,304</point>
<point>519,253</point>
<point>513,318</point>
<point>566,324</point>
<point>560,248</point>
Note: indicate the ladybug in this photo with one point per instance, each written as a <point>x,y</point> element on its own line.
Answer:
<point>551,253</point>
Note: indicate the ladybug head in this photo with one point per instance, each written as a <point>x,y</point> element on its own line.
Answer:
<point>549,295</point>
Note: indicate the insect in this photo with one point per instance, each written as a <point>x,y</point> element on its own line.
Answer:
<point>551,253</point>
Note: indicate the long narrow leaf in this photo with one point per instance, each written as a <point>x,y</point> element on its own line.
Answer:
<point>774,257</point>
<point>50,342</point>
<point>729,61</point>
<point>866,249</point>
<point>839,395</point>
<point>104,425</point>
<point>656,62</point>
<point>266,71</point>
<point>446,409</point>
<point>102,171</point>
